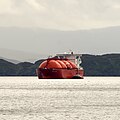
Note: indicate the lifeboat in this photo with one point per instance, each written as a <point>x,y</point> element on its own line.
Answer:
<point>61,66</point>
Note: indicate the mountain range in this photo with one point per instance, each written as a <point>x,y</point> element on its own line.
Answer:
<point>94,65</point>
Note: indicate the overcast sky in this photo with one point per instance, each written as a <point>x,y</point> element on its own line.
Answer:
<point>60,14</point>
<point>67,25</point>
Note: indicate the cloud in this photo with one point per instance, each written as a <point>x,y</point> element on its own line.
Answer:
<point>5,6</point>
<point>60,14</point>
<point>35,5</point>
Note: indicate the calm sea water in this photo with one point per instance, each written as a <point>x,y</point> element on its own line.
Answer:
<point>29,98</point>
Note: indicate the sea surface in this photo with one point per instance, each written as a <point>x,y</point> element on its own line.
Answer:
<point>29,98</point>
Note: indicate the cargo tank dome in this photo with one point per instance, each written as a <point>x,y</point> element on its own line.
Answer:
<point>58,64</point>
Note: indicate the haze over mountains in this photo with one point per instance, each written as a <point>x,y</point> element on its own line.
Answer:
<point>30,44</point>
<point>16,56</point>
<point>10,60</point>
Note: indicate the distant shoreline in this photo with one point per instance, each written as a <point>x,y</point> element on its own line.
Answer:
<point>94,65</point>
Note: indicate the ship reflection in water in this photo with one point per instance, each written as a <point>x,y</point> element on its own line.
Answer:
<point>29,98</point>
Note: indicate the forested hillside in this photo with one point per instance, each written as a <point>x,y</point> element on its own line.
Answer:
<point>101,65</point>
<point>94,65</point>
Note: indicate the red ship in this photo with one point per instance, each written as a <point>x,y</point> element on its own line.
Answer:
<point>61,66</point>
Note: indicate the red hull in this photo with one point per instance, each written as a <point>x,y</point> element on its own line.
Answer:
<point>52,73</point>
